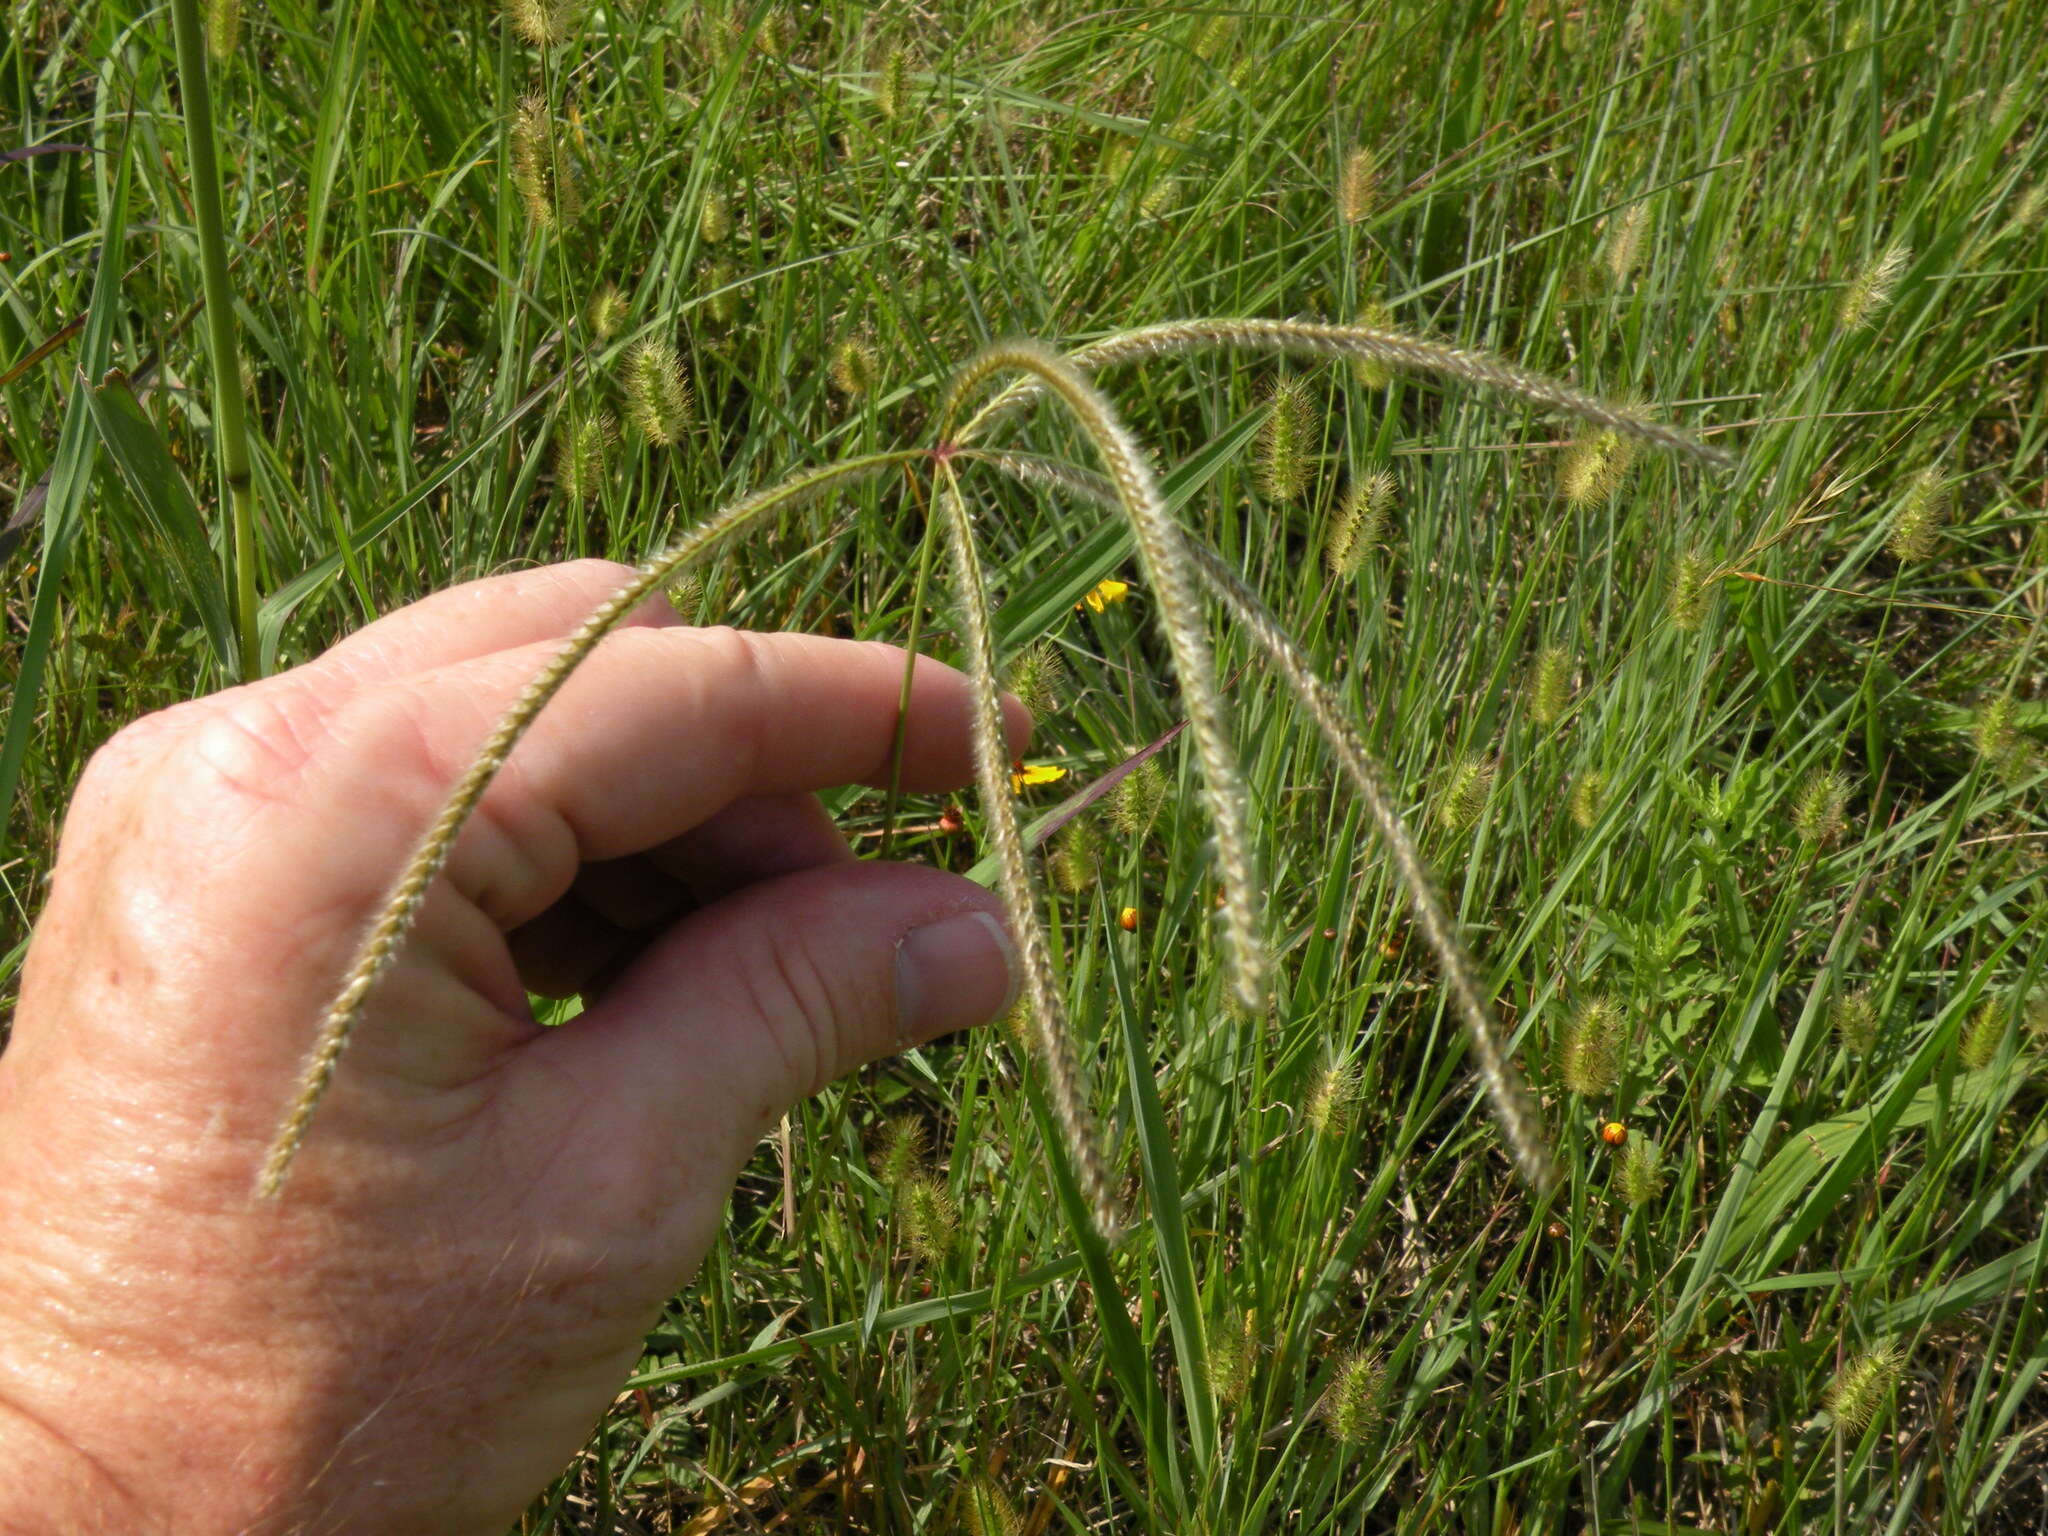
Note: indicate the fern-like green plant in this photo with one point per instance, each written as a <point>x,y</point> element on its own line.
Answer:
<point>992,389</point>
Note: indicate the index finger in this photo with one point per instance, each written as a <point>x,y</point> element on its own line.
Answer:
<point>658,731</point>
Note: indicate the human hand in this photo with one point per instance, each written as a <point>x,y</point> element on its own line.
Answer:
<point>487,1215</point>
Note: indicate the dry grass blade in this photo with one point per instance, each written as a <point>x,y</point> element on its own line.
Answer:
<point>1179,609</point>
<point>1377,344</point>
<point>1050,1025</point>
<point>395,919</point>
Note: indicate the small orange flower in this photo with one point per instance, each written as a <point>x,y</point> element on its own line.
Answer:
<point>1614,1133</point>
<point>1128,919</point>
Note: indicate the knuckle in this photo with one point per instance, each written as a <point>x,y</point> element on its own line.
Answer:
<point>795,1004</point>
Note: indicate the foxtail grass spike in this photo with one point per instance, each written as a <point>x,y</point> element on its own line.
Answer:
<point>395,919</point>
<point>1385,345</point>
<point>1177,602</point>
<point>1052,1032</point>
<point>1513,1105</point>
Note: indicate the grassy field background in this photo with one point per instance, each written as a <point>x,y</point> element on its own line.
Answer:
<point>1733,778</point>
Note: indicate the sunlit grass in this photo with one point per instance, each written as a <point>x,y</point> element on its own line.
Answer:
<point>1779,807</point>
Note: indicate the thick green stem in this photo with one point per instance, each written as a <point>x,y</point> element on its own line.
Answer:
<point>230,425</point>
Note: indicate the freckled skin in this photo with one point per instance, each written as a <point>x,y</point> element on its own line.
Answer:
<point>487,1215</point>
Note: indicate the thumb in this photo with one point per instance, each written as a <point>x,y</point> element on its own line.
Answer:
<point>768,995</point>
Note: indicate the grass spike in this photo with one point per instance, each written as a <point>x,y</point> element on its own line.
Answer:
<point>1052,1032</point>
<point>1163,554</point>
<point>1513,1106</point>
<point>1386,345</point>
<point>395,918</point>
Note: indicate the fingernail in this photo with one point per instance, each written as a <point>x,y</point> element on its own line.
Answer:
<point>953,974</point>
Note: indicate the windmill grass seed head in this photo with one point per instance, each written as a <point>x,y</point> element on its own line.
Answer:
<point>1588,799</point>
<point>1857,1394</point>
<point>1870,290</point>
<point>1170,559</point>
<point>1355,1405</point>
<point>1853,1017</point>
<point>1550,684</point>
<point>1286,458</point>
<point>1359,524</point>
<point>1589,1057</point>
<point>1916,524</point>
<point>657,397</point>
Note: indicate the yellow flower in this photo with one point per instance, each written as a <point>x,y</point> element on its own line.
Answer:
<point>1035,773</point>
<point>1128,919</point>
<point>1105,592</point>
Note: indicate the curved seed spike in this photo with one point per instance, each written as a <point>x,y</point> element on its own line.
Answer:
<point>1513,1105</point>
<point>1162,555</point>
<point>1050,1024</point>
<point>1380,344</point>
<point>395,919</point>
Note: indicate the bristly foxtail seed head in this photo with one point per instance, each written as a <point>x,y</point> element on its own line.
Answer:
<point>607,311</point>
<point>657,396</point>
<point>583,455</point>
<point>855,367</point>
<point>1625,241</point>
<point>714,218</point>
<point>1286,459</point>
<point>223,19</point>
<point>1916,525</point>
<point>1869,292</point>
<point>1589,1059</point>
<point>543,23</point>
<point>1550,684</point>
<point>1359,525</point>
<point>1358,186</point>
<point>1858,1393</point>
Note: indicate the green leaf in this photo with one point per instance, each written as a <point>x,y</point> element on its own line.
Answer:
<point>160,489</point>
